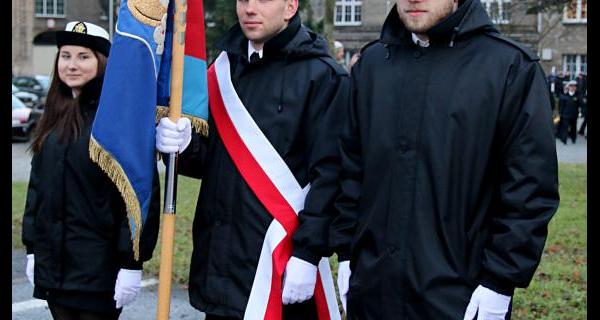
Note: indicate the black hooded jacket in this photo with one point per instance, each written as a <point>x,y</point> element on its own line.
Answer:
<point>449,169</point>
<point>75,221</point>
<point>296,94</point>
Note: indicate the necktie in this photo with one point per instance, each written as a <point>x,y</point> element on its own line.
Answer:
<point>254,57</point>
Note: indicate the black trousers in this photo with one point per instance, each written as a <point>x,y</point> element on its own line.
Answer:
<point>567,128</point>
<point>296,311</point>
<point>60,312</point>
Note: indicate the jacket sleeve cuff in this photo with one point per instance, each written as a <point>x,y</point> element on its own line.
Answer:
<point>492,283</point>
<point>343,253</point>
<point>343,257</point>
<point>131,264</point>
<point>306,256</point>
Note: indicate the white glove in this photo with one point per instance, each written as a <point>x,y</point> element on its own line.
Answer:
<point>487,304</point>
<point>173,137</point>
<point>29,269</point>
<point>129,283</point>
<point>343,279</point>
<point>299,281</point>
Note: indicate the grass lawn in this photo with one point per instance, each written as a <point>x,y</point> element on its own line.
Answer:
<point>558,290</point>
<point>559,287</point>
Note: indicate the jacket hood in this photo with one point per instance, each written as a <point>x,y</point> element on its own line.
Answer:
<point>295,41</point>
<point>470,17</point>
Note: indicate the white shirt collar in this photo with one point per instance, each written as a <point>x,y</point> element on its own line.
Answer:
<point>419,42</point>
<point>251,50</point>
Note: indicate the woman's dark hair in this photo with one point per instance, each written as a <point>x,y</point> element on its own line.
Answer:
<point>62,113</point>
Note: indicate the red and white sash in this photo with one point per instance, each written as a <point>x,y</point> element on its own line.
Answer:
<point>276,188</point>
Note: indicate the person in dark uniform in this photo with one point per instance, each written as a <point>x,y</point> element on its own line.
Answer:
<point>449,169</point>
<point>569,106</point>
<point>75,226</point>
<point>582,89</point>
<point>294,94</point>
<point>559,84</point>
<point>581,82</point>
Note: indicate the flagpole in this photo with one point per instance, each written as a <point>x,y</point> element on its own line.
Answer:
<point>168,229</point>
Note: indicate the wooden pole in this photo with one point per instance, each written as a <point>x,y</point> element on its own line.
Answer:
<point>168,229</point>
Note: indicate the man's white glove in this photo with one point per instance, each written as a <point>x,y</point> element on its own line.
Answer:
<point>343,279</point>
<point>173,137</point>
<point>129,283</point>
<point>487,304</point>
<point>299,281</point>
<point>29,268</point>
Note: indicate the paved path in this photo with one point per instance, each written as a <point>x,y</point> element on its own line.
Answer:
<point>572,153</point>
<point>21,161</point>
<point>24,307</point>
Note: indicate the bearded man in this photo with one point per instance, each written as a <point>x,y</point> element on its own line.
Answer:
<point>449,168</point>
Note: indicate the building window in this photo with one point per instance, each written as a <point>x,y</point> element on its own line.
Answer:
<point>573,64</point>
<point>348,12</point>
<point>50,8</point>
<point>498,10</point>
<point>575,12</point>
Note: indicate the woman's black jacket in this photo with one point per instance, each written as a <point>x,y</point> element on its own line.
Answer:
<point>75,220</point>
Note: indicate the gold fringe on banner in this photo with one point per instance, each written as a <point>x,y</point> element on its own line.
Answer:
<point>161,112</point>
<point>117,175</point>
<point>199,125</point>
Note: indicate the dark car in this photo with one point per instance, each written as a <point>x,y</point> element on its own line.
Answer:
<point>29,99</point>
<point>36,84</point>
<point>24,119</point>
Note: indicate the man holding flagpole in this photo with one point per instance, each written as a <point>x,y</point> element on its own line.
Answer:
<point>269,168</point>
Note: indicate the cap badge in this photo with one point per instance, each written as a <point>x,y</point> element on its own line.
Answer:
<point>80,27</point>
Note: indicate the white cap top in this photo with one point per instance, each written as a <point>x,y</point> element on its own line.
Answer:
<point>87,28</point>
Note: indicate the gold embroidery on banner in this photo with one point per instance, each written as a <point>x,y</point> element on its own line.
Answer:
<point>149,12</point>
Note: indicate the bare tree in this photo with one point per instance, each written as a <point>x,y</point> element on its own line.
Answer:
<point>553,10</point>
<point>521,13</point>
<point>328,23</point>
<point>547,6</point>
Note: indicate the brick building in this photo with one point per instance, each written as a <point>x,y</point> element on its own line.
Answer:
<point>563,40</point>
<point>22,35</point>
<point>358,22</point>
<point>34,23</point>
<point>559,38</point>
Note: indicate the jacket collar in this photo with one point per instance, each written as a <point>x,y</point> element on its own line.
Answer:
<point>234,41</point>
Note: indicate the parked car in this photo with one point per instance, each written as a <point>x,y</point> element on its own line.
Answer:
<point>37,84</point>
<point>29,99</point>
<point>24,119</point>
